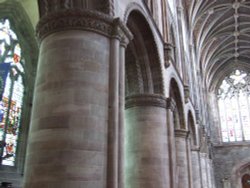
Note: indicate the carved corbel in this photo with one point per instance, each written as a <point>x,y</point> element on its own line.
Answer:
<point>168,54</point>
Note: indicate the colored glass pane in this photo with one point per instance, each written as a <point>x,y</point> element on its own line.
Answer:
<point>233,102</point>
<point>11,92</point>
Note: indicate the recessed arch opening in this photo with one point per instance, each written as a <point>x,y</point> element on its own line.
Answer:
<point>142,63</point>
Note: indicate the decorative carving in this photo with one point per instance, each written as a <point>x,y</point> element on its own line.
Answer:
<point>121,31</point>
<point>146,100</point>
<point>168,54</point>
<point>111,8</point>
<point>50,6</point>
<point>107,6</point>
<point>75,19</point>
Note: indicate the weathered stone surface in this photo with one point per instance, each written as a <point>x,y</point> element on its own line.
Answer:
<point>227,159</point>
<point>146,147</point>
<point>69,122</point>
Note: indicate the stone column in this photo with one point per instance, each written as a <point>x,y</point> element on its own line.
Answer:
<point>196,168</point>
<point>210,173</point>
<point>73,135</point>
<point>189,160</point>
<point>204,170</point>
<point>146,144</point>
<point>121,114</point>
<point>182,171</point>
<point>171,106</point>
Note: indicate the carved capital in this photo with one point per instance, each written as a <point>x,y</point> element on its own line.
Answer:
<point>50,6</point>
<point>171,105</point>
<point>76,19</point>
<point>181,133</point>
<point>121,31</point>
<point>146,100</point>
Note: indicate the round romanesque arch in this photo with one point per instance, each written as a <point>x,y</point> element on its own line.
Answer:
<point>142,62</point>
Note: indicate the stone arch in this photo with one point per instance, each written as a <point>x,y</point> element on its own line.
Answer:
<point>245,181</point>
<point>21,25</point>
<point>239,170</point>
<point>143,67</point>
<point>175,94</point>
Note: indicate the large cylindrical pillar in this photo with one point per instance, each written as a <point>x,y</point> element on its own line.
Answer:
<point>146,143</point>
<point>74,131</point>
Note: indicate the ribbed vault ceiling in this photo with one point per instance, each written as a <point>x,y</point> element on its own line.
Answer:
<point>221,31</point>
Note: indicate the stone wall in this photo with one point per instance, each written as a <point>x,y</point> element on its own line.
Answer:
<point>226,158</point>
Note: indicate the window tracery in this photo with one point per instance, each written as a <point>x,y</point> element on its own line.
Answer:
<point>233,101</point>
<point>11,92</point>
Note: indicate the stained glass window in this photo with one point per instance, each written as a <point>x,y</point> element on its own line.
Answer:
<point>11,92</point>
<point>233,101</point>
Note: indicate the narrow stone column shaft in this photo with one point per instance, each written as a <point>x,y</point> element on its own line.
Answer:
<point>121,116</point>
<point>113,127</point>
<point>171,142</point>
<point>196,168</point>
<point>204,170</point>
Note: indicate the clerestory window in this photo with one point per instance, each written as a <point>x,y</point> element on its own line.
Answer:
<point>11,92</point>
<point>233,101</point>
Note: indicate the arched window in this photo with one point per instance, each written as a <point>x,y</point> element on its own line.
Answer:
<point>233,101</point>
<point>11,92</point>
